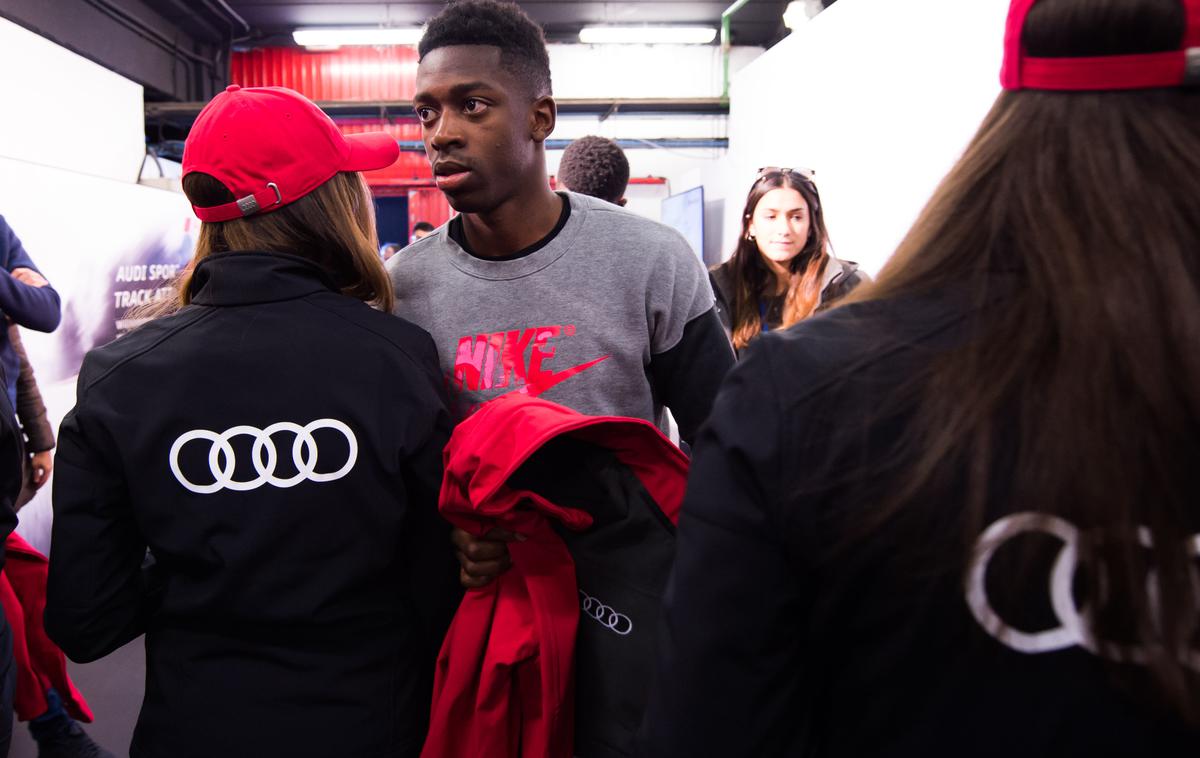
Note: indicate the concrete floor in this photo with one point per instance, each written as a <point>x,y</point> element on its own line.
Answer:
<point>113,688</point>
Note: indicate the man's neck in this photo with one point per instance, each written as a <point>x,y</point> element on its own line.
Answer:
<point>515,225</point>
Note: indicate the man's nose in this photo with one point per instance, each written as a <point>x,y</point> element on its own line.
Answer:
<point>447,132</point>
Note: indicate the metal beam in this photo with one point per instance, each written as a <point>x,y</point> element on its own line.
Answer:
<point>181,115</point>
<point>127,37</point>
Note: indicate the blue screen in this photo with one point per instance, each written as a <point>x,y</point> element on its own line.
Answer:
<point>685,212</point>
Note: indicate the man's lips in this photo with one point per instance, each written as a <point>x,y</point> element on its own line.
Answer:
<point>452,180</point>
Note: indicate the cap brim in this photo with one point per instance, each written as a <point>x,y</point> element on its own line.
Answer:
<point>370,151</point>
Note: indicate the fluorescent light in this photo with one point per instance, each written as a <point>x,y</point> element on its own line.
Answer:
<point>337,37</point>
<point>647,35</point>
<point>795,15</point>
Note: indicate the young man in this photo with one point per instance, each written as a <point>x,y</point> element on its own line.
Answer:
<point>595,166</point>
<point>550,294</point>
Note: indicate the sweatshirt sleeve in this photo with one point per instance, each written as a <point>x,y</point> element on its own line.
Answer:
<point>689,352</point>
<point>686,377</point>
<point>96,598</point>
<point>731,635</point>
<point>31,410</point>
<point>32,307</point>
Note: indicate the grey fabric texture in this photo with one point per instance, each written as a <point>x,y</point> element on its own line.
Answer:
<point>575,322</point>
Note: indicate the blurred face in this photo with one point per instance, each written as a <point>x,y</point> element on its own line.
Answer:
<point>420,234</point>
<point>482,132</point>
<point>780,224</point>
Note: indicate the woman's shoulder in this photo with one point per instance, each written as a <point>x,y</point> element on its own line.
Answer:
<point>861,341</point>
<point>722,276</point>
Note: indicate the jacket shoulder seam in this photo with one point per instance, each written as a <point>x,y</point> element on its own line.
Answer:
<point>200,315</point>
<point>407,353</point>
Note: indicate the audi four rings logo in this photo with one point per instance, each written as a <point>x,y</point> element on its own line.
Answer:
<point>1074,626</point>
<point>264,456</point>
<point>603,615</point>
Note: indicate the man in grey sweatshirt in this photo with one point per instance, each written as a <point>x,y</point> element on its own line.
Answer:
<point>555,295</point>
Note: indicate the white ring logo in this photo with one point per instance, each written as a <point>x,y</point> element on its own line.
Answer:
<point>1074,623</point>
<point>222,463</point>
<point>605,616</point>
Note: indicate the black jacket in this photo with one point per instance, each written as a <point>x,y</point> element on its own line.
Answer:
<point>792,630</point>
<point>277,447</point>
<point>839,279</point>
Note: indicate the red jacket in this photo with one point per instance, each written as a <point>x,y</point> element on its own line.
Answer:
<point>40,663</point>
<point>503,686</point>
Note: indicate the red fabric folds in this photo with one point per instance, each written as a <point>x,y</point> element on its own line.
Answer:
<point>504,681</point>
<point>40,663</point>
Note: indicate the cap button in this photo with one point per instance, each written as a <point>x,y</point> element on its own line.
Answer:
<point>233,88</point>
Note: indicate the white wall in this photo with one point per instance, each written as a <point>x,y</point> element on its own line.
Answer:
<point>64,111</point>
<point>880,97</point>
<point>639,71</point>
<point>653,71</point>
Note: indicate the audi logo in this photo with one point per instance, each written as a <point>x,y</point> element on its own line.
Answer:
<point>222,463</point>
<point>603,615</point>
<point>1074,625</point>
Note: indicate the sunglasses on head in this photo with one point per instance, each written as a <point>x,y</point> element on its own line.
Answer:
<point>806,173</point>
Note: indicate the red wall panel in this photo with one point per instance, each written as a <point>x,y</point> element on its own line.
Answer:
<point>348,73</point>
<point>428,205</point>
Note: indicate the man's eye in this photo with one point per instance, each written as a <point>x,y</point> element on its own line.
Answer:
<point>474,106</point>
<point>424,114</point>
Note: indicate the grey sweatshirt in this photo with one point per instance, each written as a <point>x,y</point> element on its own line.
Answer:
<point>583,321</point>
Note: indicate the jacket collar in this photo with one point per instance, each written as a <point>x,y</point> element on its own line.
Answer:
<point>835,270</point>
<point>246,278</point>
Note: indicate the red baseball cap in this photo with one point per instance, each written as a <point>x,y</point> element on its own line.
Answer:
<point>271,146</point>
<point>1173,68</point>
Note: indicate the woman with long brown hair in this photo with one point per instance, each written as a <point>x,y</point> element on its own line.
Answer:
<point>271,449</point>
<point>783,269</point>
<point>960,514</point>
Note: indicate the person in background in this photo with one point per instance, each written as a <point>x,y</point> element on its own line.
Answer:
<point>783,269</point>
<point>44,695</point>
<point>35,428</point>
<point>275,444</point>
<point>11,454</point>
<point>595,166</point>
<point>960,514</point>
<point>388,250</point>
<point>26,299</point>
<point>421,230</point>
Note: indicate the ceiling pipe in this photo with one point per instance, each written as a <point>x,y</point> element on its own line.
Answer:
<point>229,13</point>
<point>726,43</point>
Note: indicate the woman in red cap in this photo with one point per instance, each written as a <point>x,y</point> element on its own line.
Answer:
<point>960,515</point>
<point>251,480</point>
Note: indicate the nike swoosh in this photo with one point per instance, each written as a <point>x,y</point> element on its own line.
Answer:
<point>557,377</point>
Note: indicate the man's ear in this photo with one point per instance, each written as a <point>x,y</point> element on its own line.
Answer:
<point>543,115</point>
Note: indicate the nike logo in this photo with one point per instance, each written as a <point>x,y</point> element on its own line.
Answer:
<point>547,380</point>
<point>513,359</point>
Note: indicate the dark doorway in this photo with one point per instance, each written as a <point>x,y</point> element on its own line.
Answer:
<point>391,220</point>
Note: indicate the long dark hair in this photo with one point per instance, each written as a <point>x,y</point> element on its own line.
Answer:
<point>753,279</point>
<point>1088,370</point>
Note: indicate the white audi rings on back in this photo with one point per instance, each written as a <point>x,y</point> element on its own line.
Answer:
<point>604,615</point>
<point>222,463</point>
<point>1074,623</point>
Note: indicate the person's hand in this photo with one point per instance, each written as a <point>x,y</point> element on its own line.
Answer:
<point>29,276</point>
<point>42,464</point>
<point>482,559</point>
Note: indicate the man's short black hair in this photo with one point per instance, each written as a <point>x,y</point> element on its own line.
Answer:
<point>595,166</point>
<point>503,25</point>
<point>422,226</point>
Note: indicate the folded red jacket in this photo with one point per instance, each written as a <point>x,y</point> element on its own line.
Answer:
<point>504,681</point>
